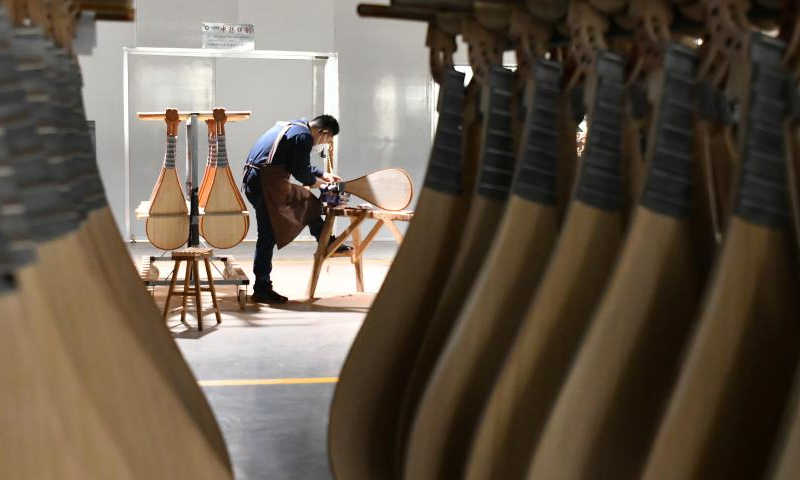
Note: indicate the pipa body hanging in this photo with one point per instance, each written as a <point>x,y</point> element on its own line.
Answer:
<point>224,223</point>
<point>167,225</point>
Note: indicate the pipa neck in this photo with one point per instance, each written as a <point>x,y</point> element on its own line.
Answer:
<point>762,196</point>
<point>497,146</point>
<point>221,156</point>
<point>668,184</point>
<point>446,167</point>
<point>600,181</point>
<point>537,169</point>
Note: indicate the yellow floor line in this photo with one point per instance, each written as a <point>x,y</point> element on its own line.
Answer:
<point>344,260</point>
<point>266,381</point>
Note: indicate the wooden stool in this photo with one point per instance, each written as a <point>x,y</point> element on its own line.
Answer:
<point>192,256</point>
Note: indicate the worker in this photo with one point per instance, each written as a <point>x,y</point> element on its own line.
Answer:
<point>283,208</point>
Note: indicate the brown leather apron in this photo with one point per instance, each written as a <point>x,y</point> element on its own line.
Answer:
<point>290,206</point>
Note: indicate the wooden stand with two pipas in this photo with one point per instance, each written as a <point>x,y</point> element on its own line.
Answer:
<point>214,210</point>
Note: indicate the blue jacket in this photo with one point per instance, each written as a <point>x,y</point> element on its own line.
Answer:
<point>293,152</point>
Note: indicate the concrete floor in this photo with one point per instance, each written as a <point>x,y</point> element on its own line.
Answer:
<point>278,431</point>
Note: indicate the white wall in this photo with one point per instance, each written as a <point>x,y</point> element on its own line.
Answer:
<point>385,94</point>
<point>102,95</point>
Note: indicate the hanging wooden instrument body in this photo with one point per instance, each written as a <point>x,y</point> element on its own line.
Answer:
<point>610,403</point>
<point>786,454</point>
<point>724,414</point>
<point>582,259</point>
<point>389,189</point>
<point>486,210</point>
<point>370,389</point>
<point>167,225</point>
<point>37,367</point>
<point>123,393</point>
<point>224,222</point>
<point>474,345</point>
<point>101,233</point>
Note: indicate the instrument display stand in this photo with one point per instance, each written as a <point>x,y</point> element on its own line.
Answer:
<point>232,273</point>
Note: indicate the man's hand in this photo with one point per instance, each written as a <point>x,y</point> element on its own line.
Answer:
<point>330,178</point>
<point>318,182</point>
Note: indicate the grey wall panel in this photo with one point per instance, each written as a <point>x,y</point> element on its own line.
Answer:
<point>273,90</point>
<point>385,100</point>
<point>177,23</point>
<point>296,25</point>
<point>299,25</point>
<point>155,83</point>
<point>102,95</point>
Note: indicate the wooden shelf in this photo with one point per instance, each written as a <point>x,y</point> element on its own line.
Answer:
<point>233,115</point>
<point>143,212</point>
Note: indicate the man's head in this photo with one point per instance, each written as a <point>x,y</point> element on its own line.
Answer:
<point>323,128</point>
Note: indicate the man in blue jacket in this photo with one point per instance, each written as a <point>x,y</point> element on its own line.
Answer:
<point>290,156</point>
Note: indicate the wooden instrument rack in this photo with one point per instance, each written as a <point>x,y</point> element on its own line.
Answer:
<point>232,273</point>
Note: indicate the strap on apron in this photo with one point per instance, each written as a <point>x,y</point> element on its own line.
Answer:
<point>281,134</point>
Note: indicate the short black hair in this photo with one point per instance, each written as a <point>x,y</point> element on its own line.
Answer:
<point>326,122</point>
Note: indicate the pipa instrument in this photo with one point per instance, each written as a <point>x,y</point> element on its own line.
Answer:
<point>633,350</point>
<point>153,340</point>
<point>389,189</point>
<point>224,223</point>
<point>103,234</point>
<point>514,263</point>
<point>785,464</point>
<point>36,366</point>
<point>553,325</point>
<point>724,414</point>
<point>369,392</point>
<point>610,402</point>
<point>167,225</point>
<point>492,191</point>
<point>100,345</point>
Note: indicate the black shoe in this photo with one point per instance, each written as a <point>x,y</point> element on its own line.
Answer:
<point>342,248</point>
<point>270,297</point>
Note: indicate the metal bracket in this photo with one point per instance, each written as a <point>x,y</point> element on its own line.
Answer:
<point>192,179</point>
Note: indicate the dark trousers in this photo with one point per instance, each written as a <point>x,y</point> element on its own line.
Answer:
<point>265,242</point>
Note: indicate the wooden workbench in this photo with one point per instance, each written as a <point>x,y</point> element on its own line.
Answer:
<point>357,216</point>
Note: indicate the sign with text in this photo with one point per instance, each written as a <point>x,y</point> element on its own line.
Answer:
<point>231,36</point>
